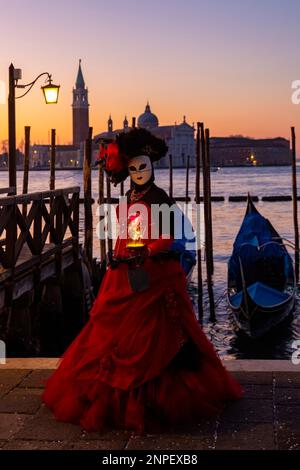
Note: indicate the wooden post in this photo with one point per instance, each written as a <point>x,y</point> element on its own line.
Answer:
<point>209,209</point>
<point>12,131</point>
<point>206,197</point>
<point>133,127</point>
<point>170,176</point>
<point>52,159</point>
<point>26,167</point>
<point>187,176</point>
<point>295,203</point>
<point>87,188</point>
<point>101,201</point>
<point>198,227</point>
<point>52,173</point>
<point>108,201</point>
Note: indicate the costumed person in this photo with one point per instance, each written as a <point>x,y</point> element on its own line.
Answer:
<point>142,362</point>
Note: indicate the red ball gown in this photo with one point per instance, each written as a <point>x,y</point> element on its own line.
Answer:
<point>142,361</point>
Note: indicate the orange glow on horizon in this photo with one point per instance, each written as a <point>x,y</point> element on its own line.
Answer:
<point>199,61</point>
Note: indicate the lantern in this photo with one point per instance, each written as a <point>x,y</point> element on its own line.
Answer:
<point>51,92</point>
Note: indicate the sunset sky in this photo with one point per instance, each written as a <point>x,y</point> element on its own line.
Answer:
<point>229,63</point>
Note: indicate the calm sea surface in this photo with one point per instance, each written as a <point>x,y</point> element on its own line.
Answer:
<point>227,218</point>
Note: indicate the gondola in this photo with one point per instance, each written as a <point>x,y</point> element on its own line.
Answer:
<point>261,276</point>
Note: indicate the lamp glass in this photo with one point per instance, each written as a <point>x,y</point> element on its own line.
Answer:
<point>51,93</point>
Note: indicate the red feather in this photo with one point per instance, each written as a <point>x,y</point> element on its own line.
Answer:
<point>109,153</point>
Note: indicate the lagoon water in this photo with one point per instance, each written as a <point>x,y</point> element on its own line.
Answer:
<point>227,218</point>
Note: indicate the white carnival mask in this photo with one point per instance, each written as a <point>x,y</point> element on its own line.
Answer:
<point>140,169</point>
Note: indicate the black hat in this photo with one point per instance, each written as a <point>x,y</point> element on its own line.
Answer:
<point>138,141</point>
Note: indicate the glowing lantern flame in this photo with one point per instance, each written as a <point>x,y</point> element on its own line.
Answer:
<point>134,232</point>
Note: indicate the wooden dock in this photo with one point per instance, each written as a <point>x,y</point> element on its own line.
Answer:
<point>40,244</point>
<point>39,241</point>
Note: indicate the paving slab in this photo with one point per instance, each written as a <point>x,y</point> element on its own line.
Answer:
<point>287,379</point>
<point>205,428</point>
<point>288,436</point>
<point>12,377</point>
<point>287,396</point>
<point>249,411</point>
<point>258,391</point>
<point>288,414</point>
<point>118,435</point>
<point>21,401</point>
<point>241,436</point>
<point>18,444</point>
<point>4,389</point>
<point>165,442</point>
<point>10,424</point>
<point>95,444</point>
<point>254,378</point>
<point>36,378</point>
<point>48,429</point>
<point>2,443</point>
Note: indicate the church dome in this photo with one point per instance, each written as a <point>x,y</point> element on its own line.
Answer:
<point>147,120</point>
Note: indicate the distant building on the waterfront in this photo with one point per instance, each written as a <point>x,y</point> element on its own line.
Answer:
<point>179,137</point>
<point>236,151</point>
<point>66,156</point>
<point>224,151</point>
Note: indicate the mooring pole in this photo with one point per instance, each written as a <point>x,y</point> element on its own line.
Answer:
<point>26,167</point>
<point>12,131</point>
<point>101,202</point>
<point>133,127</point>
<point>187,177</point>
<point>198,227</point>
<point>109,221</point>
<point>170,176</point>
<point>209,209</point>
<point>87,188</point>
<point>295,203</point>
<point>52,175</point>
<point>52,159</point>
<point>208,244</point>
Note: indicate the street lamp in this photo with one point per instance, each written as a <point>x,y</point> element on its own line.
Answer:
<point>50,92</point>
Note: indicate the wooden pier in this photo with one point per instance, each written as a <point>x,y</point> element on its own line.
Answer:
<point>26,253</point>
<point>39,245</point>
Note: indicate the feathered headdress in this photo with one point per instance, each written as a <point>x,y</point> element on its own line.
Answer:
<point>115,154</point>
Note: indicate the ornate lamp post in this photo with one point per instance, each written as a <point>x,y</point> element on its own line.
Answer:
<point>50,92</point>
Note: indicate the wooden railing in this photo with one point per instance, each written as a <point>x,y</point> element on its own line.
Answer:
<point>51,220</point>
<point>10,190</point>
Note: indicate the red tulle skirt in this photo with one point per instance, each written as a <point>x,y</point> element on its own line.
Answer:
<point>142,362</point>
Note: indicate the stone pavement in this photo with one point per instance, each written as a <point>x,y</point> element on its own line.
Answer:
<point>268,417</point>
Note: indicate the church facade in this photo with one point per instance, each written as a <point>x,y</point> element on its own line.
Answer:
<point>179,137</point>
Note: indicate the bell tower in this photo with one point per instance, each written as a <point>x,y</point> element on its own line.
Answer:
<point>80,109</point>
